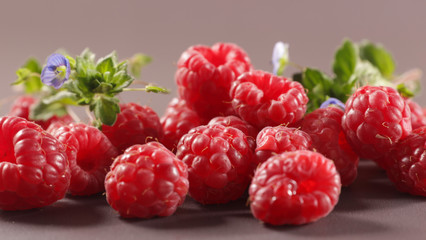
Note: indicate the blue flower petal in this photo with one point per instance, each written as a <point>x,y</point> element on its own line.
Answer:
<point>57,60</point>
<point>50,76</point>
<point>334,102</point>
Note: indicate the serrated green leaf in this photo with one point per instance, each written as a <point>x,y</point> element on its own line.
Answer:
<point>105,109</point>
<point>41,111</point>
<point>105,65</point>
<point>318,85</point>
<point>379,57</point>
<point>121,80</point>
<point>345,61</point>
<point>137,62</point>
<point>82,93</point>
<point>122,66</point>
<point>64,97</point>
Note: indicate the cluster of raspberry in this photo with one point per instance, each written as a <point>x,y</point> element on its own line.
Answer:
<point>231,129</point>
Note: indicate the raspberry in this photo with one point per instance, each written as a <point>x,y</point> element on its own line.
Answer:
<point>146,181</point>
<point>205,74</point>
<point>21,108</point>
<point>406,166</point>
<point>263,99</point>
<point>177,121</point>
<point>324,127</point>
<point>135,124</point>
<point>375,119</point>
<point>90,155</point>
<point>219,163</point>
<point>238,123</point>
<point>34,170</point>
<point>280,139</point>
<point>294,188</point>
<point>418,118</point>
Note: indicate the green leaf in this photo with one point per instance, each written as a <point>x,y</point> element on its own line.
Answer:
<point>318,87</point>
<point>30,79</point>
<point>367,74</point>
<point>404,91</point>
<point>379,57</point>
<point>42,111</point>
<point>105,109</point>
<point>82,93</point>
<point>122,66</point>
<point>103,88</point>
<point>71,60</point>
<point>63,97</point>
<point>137,62</point>
<point>88,55</point>
<point>121,80</point>
<point>345,61</point>
<point>33,65</point>
<point>105,65</point>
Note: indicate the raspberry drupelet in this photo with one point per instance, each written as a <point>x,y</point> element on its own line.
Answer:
<point>375,119</point>
<point>146,181</point>
<point>219,161</point>
<point>324,127</point>
<point>177,121</point>
<point>418,118</point>
<point>294,188</point>
<point>275,140</point>
<point>90,155</point>
<point>34,170</point>
<point>205,74</point>
<point>263,99</point>
<point>135,124</point>
<point>238,123</point>
<point>405,165</point>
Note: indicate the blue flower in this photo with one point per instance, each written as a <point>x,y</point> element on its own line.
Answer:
<point>280,58</point>
<point>56,71</point>
<point>333,102</point>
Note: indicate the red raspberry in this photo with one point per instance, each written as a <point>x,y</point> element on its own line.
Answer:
<point>205,74</point>
<point>294,188</point>
<point>406,166</point>
<point>34,170</point>
<point>146,181</point>
<point>280,139</point>
<point>418,118</point>
<point>90,155</point>
<point>375,119</point>
<point>263,99</point>
<point>219,163</point>
<point>238,123</point>
<point>21,108</point>
<point>177,121</point>
<point>324,127</point>
<point>135,125</point>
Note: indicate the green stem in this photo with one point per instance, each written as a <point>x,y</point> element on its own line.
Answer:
<point>148,88</point>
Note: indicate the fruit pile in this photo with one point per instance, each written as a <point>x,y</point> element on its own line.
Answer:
<point>289,142</point>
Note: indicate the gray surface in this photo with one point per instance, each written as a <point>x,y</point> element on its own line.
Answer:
<point>369,209</point>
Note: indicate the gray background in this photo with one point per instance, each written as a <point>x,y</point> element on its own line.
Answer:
<point>164,29</point>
